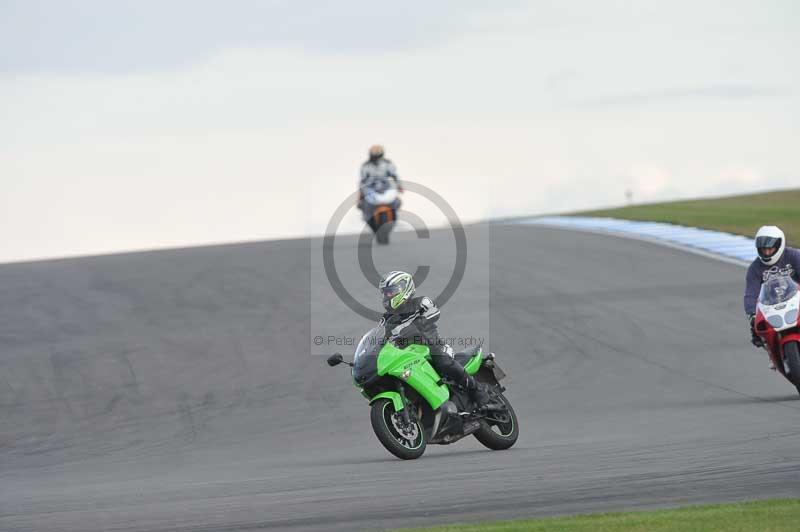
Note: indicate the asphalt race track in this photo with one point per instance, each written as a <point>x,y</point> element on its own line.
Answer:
<point>174,390</point>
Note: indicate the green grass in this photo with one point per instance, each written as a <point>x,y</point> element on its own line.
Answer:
<point>741,215</point>
<point>762,516</point>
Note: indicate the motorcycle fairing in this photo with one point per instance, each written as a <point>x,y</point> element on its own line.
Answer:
<point>411,365</point>
<point>474,363</point>
<point>777,317</point>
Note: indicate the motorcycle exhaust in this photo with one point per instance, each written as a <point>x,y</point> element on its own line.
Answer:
<point>469,428</point>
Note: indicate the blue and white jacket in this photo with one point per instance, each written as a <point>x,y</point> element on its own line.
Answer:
<point>378,175</point>
<point>758,272</point>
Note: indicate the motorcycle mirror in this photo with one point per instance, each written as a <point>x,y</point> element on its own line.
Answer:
<point>335,359</point>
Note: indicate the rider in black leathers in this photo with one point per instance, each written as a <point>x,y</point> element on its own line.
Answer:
<point>413,319</point>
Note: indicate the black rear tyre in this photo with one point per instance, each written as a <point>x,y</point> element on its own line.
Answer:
<point>404,441</point>
<point>499,436</point>
<point>791,354</point>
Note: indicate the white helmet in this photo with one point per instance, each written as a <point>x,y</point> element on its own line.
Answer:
<point>769,237</point>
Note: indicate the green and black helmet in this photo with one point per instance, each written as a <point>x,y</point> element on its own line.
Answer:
<point>397,288</point>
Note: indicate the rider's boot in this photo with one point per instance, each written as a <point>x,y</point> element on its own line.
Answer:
<point>477,392</point>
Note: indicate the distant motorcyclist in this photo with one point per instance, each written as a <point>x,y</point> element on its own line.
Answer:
<point>413,319</point>
<point>377,174</point>
<point>774,258</point>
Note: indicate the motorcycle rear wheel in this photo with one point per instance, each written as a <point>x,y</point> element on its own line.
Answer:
<point>499,436</point>
<point>791,354</point>
<point>407,442</point>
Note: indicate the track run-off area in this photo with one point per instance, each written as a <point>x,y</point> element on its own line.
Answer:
<point>174,390</point>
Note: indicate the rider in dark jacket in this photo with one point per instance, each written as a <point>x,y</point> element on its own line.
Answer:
<point>774,258</point>
<point>413,319</point>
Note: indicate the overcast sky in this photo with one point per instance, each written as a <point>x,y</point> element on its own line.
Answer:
<point>144,124</point>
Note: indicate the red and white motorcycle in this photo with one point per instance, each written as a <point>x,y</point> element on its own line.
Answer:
<point>777,324</point>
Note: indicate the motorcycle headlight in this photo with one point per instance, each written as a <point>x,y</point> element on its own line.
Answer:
<point>776,321</point>
<point>790,317</point>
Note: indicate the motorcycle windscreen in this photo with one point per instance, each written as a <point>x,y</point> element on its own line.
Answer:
<point>365,361</point>
<point>777,290</point>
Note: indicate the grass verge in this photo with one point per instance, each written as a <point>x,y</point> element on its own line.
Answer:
<point>741,215</point>
<point>777,515</point>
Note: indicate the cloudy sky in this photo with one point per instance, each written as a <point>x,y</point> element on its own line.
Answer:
<point>135,125</point>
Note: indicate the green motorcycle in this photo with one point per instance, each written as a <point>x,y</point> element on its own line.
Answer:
<point>412,406</point>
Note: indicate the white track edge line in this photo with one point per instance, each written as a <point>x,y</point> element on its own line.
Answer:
<point>643,238</point>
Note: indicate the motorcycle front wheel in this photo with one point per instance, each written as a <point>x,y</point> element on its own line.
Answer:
<point>791,354</point>
<point>404,440</point>
<point>384,227</point>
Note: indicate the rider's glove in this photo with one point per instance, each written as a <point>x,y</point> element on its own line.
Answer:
<point>754,338</point>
